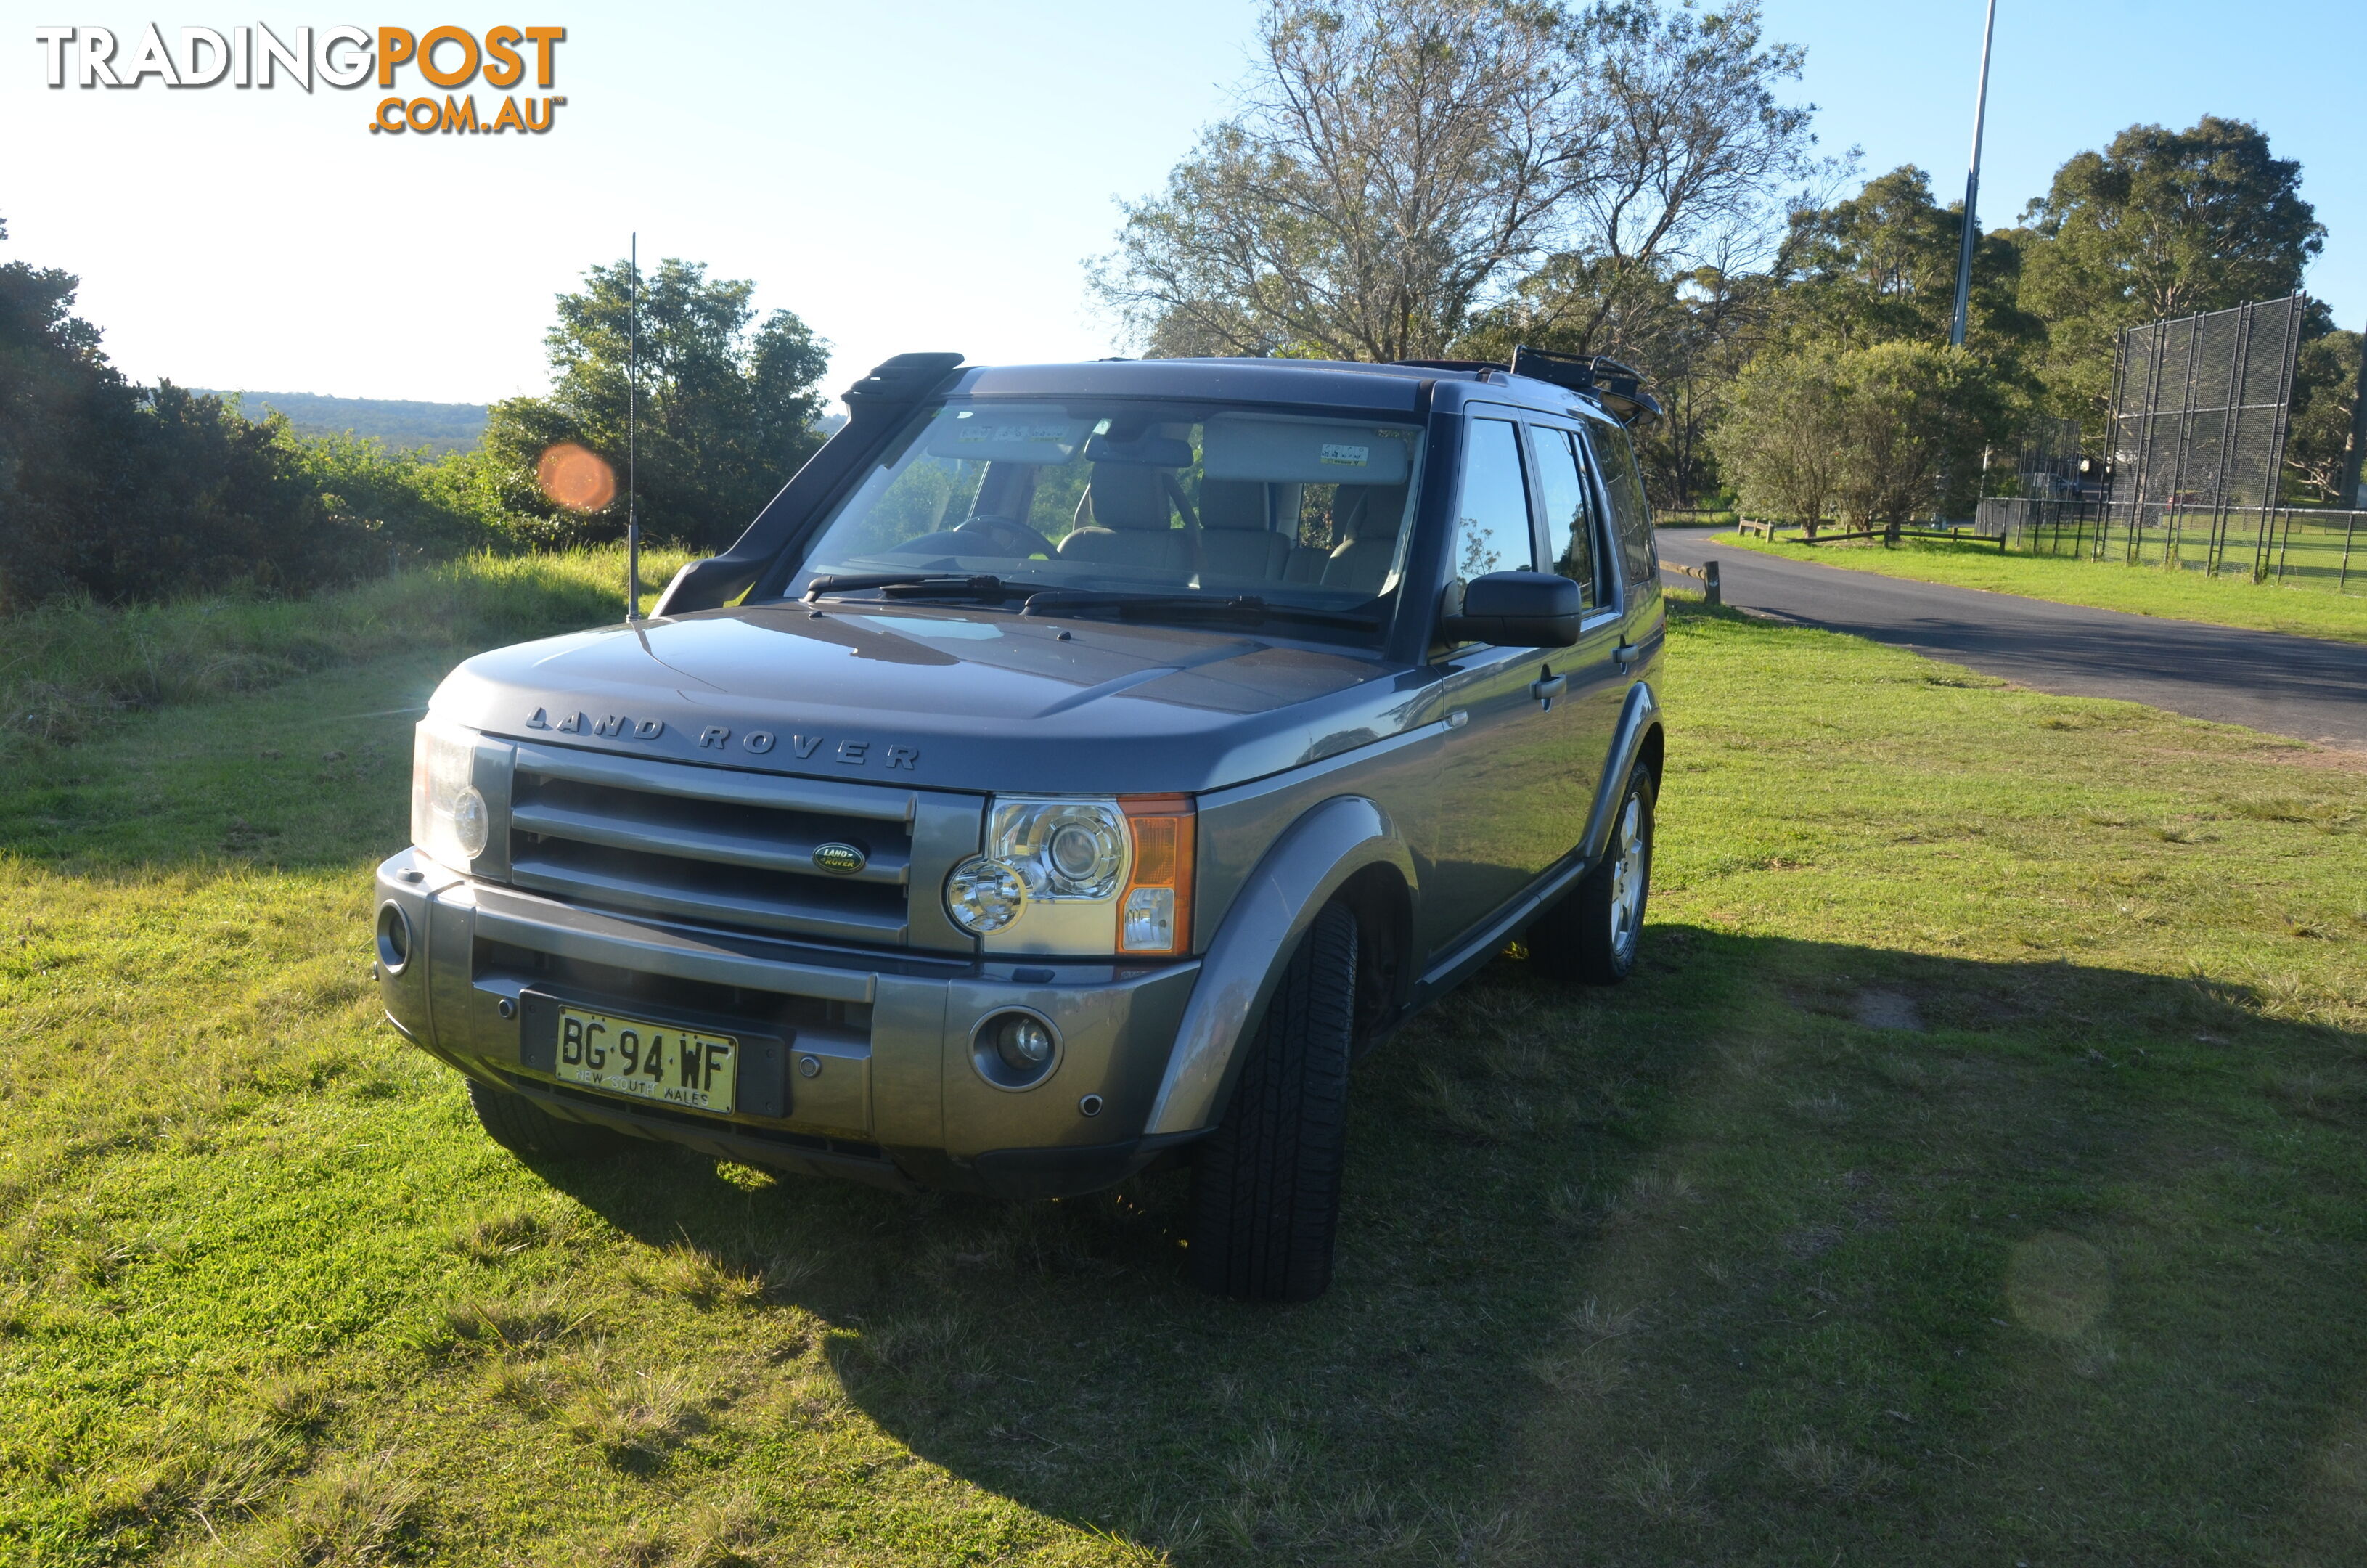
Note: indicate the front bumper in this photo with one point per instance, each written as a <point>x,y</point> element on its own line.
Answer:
<point>872,1052</point>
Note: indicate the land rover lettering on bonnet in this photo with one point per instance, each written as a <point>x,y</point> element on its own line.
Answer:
<point>1071,773</point>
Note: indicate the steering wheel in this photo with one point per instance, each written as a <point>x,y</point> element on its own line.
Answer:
<point>1009,535</point>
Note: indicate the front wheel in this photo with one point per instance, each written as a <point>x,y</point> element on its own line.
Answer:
<point>1265,1187</point>
<point>1594,933</point>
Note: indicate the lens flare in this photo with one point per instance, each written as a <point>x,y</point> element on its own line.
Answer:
<point>576,477</point>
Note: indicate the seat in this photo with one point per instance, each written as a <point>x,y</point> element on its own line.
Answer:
<point>1369,517</point>
<point>1130,527</point>
<point>1237,538</point>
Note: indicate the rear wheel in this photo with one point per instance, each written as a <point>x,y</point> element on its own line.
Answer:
<point>524,1128</point>
<point>1266,1185</point>
<point>1594,933</point>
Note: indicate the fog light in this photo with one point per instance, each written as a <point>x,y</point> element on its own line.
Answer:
<point>1015,1049</point>
<point>393,937</point>
<point>1023,1043</point>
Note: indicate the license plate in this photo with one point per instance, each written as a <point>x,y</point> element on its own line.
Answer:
<point>647,1062</point>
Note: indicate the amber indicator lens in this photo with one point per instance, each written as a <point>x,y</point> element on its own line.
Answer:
<point>1154,916</point>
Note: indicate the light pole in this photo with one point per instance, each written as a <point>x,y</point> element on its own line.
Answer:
<point>1972,190</point>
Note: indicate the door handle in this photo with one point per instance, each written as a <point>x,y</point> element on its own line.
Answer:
<point>1545,690</point>
<point>1626,653</point>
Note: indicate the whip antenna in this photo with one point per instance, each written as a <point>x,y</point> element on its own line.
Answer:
<point>633,436</point>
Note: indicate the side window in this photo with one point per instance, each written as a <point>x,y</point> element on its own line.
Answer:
<point>1624,483</point>
<point>1492,518</point>
<point>1570,510</point>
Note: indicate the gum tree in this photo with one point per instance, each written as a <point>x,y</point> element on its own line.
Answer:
<point>1399,169</point>
<point>2159,223</point>
<point>727,404</point>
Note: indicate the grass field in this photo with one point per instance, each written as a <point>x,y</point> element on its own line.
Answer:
<point>2143,590</point>
<point>72,669</point>
<point>1970,1176</point>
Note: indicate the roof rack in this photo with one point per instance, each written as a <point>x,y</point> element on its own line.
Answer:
<point>1476,367</point>
<point>1618,387</point>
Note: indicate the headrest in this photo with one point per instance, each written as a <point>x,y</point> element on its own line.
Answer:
<point>1354,506</point>
<point>1148,451</point>
<point>1129,497</point>
<point>1233,503</point>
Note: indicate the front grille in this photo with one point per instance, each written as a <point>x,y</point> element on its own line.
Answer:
<point>726,847</point>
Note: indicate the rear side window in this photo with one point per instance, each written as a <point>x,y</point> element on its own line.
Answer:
<point>1624,483</point>
<point>1492,518</point>
<point>1570,510</point>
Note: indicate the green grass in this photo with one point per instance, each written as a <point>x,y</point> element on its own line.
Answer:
<point>71,669</point>
<point>2143,590</point>
<point>1970,1174</point>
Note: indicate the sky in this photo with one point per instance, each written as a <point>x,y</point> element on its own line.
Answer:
<point>917,175</point>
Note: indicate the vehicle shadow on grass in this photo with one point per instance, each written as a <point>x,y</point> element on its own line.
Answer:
<point>1783,1250</point>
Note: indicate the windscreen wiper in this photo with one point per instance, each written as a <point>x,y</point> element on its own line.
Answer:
<point>928,584</point>
<point>1248,607</point>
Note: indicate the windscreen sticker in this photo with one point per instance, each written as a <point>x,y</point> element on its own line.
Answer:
<point>1004,434</point>
<point>1021,436</point>
<point>1346,456</point>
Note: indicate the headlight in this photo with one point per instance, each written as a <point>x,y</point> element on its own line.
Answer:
<point>985,895</point>
<point>1080,876</point>
<point>450,818</point>
<point>1061,850</point>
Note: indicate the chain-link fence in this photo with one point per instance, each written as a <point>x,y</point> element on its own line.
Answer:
<point>2199,410</point>
<point>2298,546</point>
<point>2050,463</point>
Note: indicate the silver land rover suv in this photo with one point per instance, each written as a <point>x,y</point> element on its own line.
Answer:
<point>1074,767</point>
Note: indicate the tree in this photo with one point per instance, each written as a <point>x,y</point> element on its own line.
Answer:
<point>1883,434</point>
<point>1881,267</point>
<point>727,408</point>
<point>1914,416</point>
<point>2160,223</point>
<point>1392,161</point>
<point>1399,167</point>
<point>1691,332</point>
<point>1666,267</point>
<point>2325,393</point>
<point>121,492</point>
<point>1781,439</point>
<point>1684,148</point>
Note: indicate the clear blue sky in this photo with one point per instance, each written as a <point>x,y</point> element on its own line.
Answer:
<point>921,174</point>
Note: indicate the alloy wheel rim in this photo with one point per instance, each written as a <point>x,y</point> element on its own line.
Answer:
<point>1627,878</point>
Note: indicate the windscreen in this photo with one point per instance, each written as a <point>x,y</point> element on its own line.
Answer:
<point>1136,502</point>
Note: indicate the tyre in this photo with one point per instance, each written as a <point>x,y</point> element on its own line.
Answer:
<point>524,1128</point>
<point>1593,933</point>
<point>1265,1184</point>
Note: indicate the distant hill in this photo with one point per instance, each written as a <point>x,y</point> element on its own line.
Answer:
<point>439,427</point>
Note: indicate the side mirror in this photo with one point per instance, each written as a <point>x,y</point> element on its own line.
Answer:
<point>1516,610</point>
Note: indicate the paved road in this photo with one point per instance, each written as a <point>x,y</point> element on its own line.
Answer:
<point>2303,687</point>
